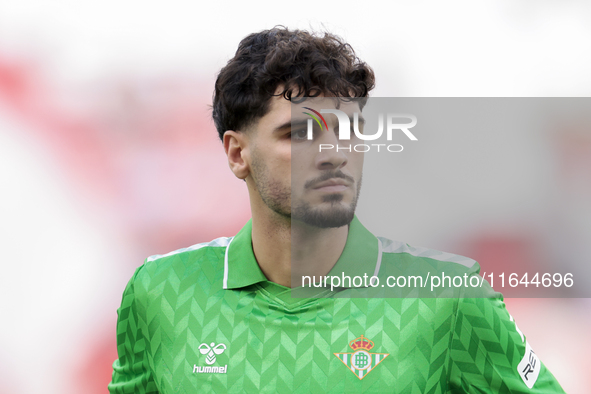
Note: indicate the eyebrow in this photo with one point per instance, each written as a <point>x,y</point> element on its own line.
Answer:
<point>290,124</point>
<point>304,122</point>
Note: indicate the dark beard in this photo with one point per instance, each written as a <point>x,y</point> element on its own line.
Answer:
<point>333,217</point>
<point>279,200</point>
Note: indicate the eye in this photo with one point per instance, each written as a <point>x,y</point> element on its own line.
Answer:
<point>299,135</point>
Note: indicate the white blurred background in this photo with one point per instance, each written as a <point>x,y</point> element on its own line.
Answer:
<point>108,155</point>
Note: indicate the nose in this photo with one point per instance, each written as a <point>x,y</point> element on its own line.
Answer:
<point>331,158</point>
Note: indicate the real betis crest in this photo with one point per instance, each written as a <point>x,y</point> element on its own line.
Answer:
<point>361,361</point>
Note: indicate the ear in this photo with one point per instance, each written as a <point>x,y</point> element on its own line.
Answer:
<point>236,147</point>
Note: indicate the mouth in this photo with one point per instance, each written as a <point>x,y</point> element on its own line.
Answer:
<point>332,185</point>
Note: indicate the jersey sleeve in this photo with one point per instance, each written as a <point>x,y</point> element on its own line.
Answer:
<point>131,371</point>
<point>489,354</point>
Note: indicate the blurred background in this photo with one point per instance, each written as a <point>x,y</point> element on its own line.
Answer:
<point>108,155</point>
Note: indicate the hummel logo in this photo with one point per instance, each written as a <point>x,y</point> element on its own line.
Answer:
<point>210,351</point>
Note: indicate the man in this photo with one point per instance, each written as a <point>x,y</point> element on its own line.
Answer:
<point>220,316</point>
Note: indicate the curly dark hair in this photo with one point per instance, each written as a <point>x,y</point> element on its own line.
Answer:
<point>306,64</point>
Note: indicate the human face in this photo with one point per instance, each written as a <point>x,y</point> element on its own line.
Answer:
<point>293,177</point>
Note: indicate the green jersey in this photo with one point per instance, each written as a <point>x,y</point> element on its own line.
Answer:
<point>206,319</point>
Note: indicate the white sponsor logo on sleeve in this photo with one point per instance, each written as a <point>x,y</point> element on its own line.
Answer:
<point>529,367</point>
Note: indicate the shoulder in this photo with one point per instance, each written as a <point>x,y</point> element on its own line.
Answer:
<point>200,248</point>
<point>205,257</point>
<point>403,251</point>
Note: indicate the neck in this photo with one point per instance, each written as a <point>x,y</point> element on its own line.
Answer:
<point>287,250</point>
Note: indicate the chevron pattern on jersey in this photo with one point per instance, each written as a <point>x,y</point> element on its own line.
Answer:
<point>175,306</point>
<point>486,349</point>
<point>131,372</point>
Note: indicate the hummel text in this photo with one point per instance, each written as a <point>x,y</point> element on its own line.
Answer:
<point>201,369</point>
